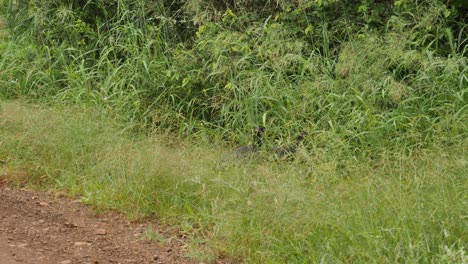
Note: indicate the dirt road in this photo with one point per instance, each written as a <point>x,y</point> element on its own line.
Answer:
<point>39,228</point>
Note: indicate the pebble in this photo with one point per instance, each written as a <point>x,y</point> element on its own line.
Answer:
<point>100,231</point>
<point>79,244</point>
<point>70,225</point>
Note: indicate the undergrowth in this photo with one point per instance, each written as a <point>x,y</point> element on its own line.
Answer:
<point>369,74</point>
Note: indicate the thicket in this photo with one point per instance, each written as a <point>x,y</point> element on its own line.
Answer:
<point>367,73</point>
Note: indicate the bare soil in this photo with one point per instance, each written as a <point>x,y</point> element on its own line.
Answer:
<point>43,228</point>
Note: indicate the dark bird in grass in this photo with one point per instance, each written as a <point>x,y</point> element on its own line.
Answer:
<point>253,147</point>
<point>289,149</point>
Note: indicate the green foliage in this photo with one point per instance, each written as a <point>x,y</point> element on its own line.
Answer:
<point>76,59</point>
<point>368,73</point>
<point>314,65</point>
<point>367,95</point>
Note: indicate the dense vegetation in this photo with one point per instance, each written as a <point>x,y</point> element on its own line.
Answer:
<point>380,86</point>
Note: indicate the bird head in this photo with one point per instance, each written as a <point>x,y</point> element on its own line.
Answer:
<point>260,129</point>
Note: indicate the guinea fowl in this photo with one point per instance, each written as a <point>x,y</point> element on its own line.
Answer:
<point>290,149</point>
<point>249,149</point>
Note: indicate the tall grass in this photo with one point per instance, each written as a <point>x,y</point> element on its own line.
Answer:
<point>318,209</point>
<point>400,83</point>
<point>71,62</point>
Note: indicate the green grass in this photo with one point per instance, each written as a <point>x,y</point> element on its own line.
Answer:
<point>319,208</point>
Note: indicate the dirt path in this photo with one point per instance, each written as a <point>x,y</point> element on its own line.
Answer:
<point>37,228</point>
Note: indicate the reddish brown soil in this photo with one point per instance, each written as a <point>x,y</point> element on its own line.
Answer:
<point>40,228</point>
